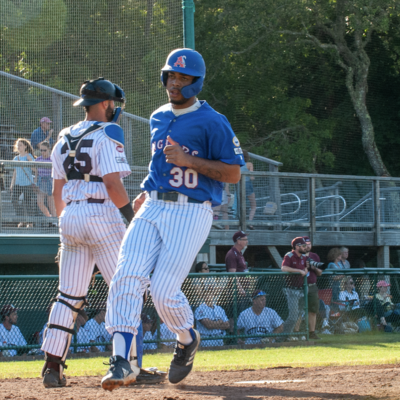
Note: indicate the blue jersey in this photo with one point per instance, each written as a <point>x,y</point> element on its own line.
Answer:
<point>202,133</point>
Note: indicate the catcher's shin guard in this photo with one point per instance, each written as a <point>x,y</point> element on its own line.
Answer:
<point>70,330</point>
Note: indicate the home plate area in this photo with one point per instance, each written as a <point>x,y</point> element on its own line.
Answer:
<point>350,382</point>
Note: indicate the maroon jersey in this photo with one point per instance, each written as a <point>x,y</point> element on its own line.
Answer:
<point>234,260</point>
<point>293,261</point>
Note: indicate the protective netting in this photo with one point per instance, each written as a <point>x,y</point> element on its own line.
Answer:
<point>61,43</point>
<point>229,309</point>
<point>26,200</point>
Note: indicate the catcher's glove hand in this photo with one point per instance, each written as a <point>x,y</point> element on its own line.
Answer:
<point>150,376</point>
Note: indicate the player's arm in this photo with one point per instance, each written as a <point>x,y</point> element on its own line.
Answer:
<point>285,268</point>
<point>118,195</point>
<point>279,329</point>
<point>219,324</point>
<point>58,185</point>
<point>213,169</point>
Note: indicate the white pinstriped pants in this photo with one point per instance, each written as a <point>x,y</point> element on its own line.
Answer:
<point>164,237</point>
<point>90,234</point>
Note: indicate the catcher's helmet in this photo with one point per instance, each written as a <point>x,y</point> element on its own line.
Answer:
<point>98,90</point>
<point>189,62</point>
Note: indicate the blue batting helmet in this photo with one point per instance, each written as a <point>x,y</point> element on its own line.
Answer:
<point>98,90</point>
<point>189,62</point>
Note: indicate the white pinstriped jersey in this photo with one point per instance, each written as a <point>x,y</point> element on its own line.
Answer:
<point>100,156</point>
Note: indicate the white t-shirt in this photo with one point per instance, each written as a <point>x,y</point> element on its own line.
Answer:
<point>104,155</point>
<point>12,337</point>
<point>260,325</point>
<point>345,296</point>
<point>96,332</point>
<point>214,313</point>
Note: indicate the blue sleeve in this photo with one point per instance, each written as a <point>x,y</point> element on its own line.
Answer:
<point>223,144</point>
<point>332,266</point>
<point>34,138</point>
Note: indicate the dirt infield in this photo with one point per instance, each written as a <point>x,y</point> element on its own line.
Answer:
<point>358,382</point>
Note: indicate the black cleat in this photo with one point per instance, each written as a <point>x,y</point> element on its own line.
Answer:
<point>119,374</point>
<point>182,363</point>
<point>51,379</point>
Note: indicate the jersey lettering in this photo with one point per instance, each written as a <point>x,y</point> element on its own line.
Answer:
<point>190,178</point>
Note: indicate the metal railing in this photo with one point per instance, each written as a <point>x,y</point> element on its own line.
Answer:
<point>348,303</point>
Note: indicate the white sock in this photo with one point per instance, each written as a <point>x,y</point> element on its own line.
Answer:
<point>185,337</point>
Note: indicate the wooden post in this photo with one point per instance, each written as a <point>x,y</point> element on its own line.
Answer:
<point>275,193</point>
<point>383,257</point>
<point>312,212</point>
<point>377,212</point>
<point>243,215</point>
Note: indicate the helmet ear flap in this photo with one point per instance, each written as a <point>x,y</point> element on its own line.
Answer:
<point>164,78</point>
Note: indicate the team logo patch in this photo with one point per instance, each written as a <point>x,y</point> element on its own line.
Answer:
<point>236,142</point>
<point>238,150</point>
<point>120,149</point>
<point>121,160</point>
<point>180,62</point>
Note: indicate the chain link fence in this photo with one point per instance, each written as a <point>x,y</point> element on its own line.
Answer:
<point>229,309</point>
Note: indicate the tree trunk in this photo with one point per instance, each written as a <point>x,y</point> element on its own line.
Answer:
<point>357,86</point>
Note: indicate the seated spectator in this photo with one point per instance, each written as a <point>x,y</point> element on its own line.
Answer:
<point>259,320</point>
<point>350,301</point>
<point>10,335</point>
<point>147,333</point>
<point>335,257</point>
<point>211,320</point>
<point>45,183</point>
<point>96,332</point>
<point>202,268</point>
<point>81,334</point>
<point>387,311</point>
<point>166,334</point>
<point>42,134</point>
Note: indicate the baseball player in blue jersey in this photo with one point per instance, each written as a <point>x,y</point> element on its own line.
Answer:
<point>88,164</point>
<point>194,151</point>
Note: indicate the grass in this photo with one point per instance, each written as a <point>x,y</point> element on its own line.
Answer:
<point>368,348</point>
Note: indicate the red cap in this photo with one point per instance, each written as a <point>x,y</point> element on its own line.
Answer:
<point>307,239</point>
<point>239,235</point>
<point>298,240</point>
<point>382,284</point>
<point>45,119</point>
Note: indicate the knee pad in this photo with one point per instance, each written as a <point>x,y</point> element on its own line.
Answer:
<point>82,303</point>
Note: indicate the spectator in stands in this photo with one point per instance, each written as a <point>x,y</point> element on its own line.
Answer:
<point>166,334</point>
<point>350,301</point>
<point>202,267</point>
<point>345,255</point>
<point>388,312</point>
<point>147,333</point>
<point>249,186</point>
<point>221,211</point>
<point>22,182</point>
<point>313,299</point>
<point>96,332</point>
<point>259,320</point>
<point>42,134</point>
<point>335,257</point>
<point>295,262</point>
<point>211,320</point>
<point>81,334</point>
<point>45,182</point>
<point>10,335</point>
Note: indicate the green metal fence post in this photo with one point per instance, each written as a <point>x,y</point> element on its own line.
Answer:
<point>188,23</point>
<point>306,307</point>
<point>235,313</point>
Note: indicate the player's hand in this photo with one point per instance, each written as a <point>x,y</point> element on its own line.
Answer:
<point>174,153</point>
<point>51,132</point>
<point>303,273</point>
<point>139,200</point>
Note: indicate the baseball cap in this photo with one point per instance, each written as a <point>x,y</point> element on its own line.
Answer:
<point>239,235</point>
<point>306,239</point>
<point>258,293</point>
<point>7,310</point>
<point>45,119</point>
<point>382,284</point>
<point>298,240</point>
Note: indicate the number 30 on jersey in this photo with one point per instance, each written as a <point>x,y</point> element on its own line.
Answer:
<point>189,178</point>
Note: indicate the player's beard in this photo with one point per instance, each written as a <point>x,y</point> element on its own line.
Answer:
<point>179,102</point>
<point>109,113</point>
